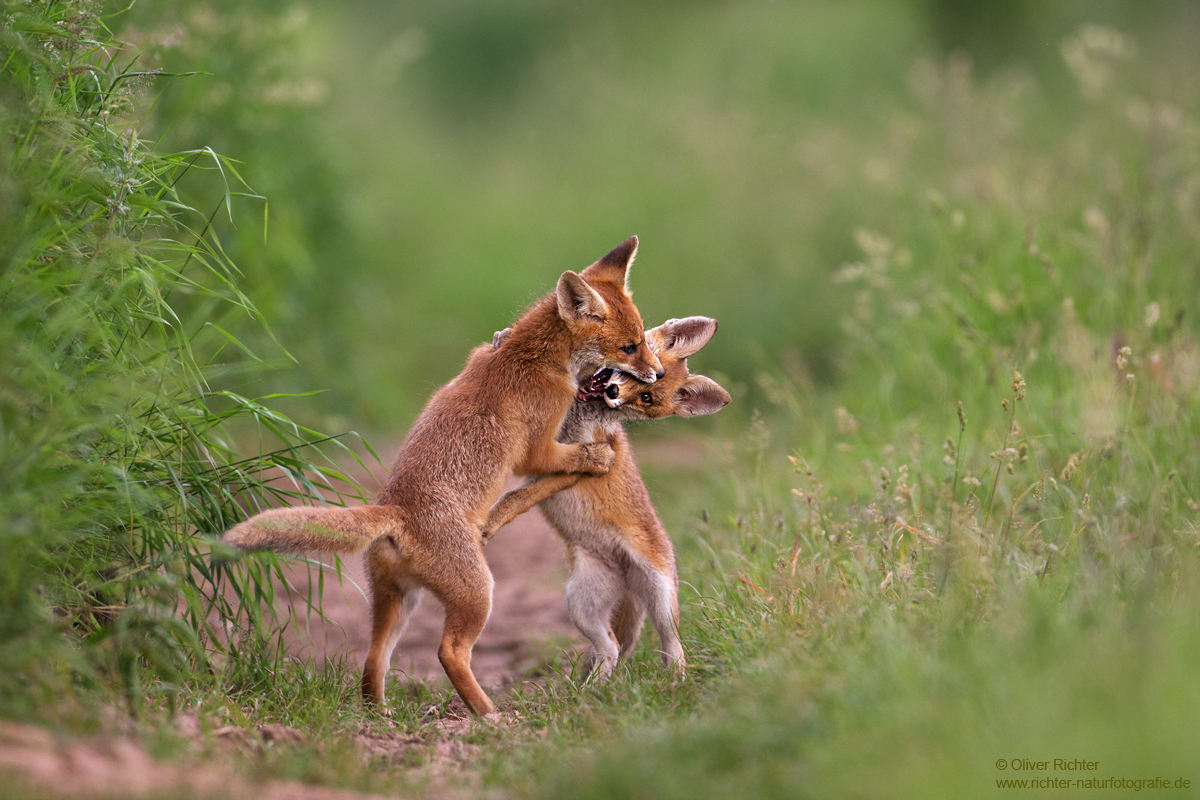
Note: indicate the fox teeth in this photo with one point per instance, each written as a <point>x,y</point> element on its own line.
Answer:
<point>595,385</point>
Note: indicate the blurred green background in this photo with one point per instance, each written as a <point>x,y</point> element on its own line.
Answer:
<point>431,167</point>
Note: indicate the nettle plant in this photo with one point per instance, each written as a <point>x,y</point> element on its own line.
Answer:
<point>121,316</point>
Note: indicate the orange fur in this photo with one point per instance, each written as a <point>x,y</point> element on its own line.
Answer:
<point>621,560</point>
<point>499,416</point>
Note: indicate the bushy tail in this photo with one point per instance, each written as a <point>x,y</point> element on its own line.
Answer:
<point>328,530</point>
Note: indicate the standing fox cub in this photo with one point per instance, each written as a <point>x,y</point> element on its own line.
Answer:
<point>499,416</point>
<point>620,558</point>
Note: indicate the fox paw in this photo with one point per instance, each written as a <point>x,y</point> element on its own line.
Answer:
<point>597,458</point>
<point>494,719</point>
<point>382,709</point>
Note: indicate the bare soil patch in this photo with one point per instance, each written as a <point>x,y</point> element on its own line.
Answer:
<point>118,767</point>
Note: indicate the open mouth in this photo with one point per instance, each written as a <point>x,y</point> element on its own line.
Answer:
<point>594,386</point>
<point>612,393</point>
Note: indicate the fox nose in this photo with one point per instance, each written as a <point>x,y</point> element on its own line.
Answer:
<point>612,391</point>
<point>658,376</point>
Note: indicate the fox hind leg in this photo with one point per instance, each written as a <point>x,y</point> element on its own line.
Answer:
<point>627,622</point>
<point>593,593</point>
<point>467,595</point>
<point>663,606</point>
<point>392,605</point>
<point>460,579</point>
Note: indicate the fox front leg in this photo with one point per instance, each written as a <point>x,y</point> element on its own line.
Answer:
<point>523,498</point>
<point>551,457</point>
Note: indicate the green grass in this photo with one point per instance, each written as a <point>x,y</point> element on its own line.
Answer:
<point>1026,590</point>
<point>120,317</point>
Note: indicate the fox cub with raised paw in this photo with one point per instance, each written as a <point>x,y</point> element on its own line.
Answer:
<point>499,416</point>
<point>621,562</point>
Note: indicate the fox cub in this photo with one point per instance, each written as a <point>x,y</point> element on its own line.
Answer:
<point>499,416</point>
<point>621,561</point>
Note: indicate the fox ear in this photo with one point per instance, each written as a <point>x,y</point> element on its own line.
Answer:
<point>578,301</point>
<point>700,395</point>
<point>682,337</point>
<point>614,267</point>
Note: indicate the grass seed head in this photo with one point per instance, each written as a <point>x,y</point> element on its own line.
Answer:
<point>904,492</point>
<point>1072,464</point>
<point>1153,312</point>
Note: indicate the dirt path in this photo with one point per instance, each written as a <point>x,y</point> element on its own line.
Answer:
<point>36,763</point>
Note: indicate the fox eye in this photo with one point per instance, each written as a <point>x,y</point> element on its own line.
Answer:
<point>647,399</point>
<point>629,349</point>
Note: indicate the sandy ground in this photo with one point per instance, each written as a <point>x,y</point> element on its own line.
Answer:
<point>37,763</point>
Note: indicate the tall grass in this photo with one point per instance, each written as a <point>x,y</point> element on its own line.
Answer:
<point>119,324</point>
<point>983,542</point>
